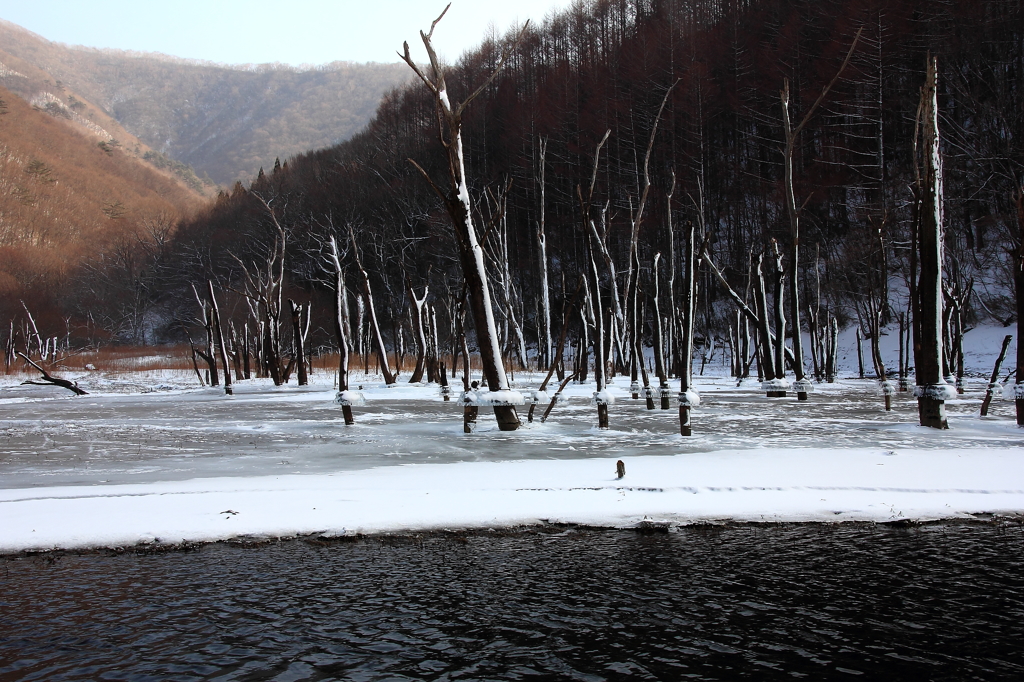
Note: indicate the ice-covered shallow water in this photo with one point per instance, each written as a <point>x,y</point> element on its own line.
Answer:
<point>942,602</point>
<point>49,438</point>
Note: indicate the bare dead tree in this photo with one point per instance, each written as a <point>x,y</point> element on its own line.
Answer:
<point>194,355</point>
<point>34,335</point>
<point>9,348</point>
<point>218,334</point>
<point>594,245</point>
<point>556,358</point>
<point>956,297</point>
<point>263,290</point>
<point>672,350</point>
<point>417,313</point>
<point>932,390</point>
<point>236,351</point>
<point>659,340</point>
<point>300,320</point>
<point>791,135</point>
<point>341,333</point>
<point>457,202</point>
<point>378,339</point>
<point>544,340</point>
<point>993,383</point>
<point>1018,284</point>
<point>209,356</point>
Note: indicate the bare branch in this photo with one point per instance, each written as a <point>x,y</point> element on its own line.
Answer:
<point>825,90</point>
<point>436,21</point>
<point>437,190</point>
<point>597,157</point>
<point>407,58</point>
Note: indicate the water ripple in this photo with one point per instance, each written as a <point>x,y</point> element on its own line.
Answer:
<point>942,602</point>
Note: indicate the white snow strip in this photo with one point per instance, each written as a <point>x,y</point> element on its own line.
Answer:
<point>745,485</point>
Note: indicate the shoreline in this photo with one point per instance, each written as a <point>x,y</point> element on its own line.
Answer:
<point>463,535</point>
<point>763,485</point>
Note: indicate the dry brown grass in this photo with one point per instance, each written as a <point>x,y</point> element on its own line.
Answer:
<point>129,359</point>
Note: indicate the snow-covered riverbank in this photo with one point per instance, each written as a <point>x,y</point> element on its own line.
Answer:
<point>748,485</point>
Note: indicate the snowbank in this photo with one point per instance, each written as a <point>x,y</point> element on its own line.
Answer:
<point>747,485</point>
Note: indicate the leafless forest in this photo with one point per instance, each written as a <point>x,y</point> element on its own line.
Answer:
<point>642,178</point>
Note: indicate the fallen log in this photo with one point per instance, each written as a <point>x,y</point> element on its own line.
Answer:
<point>49,380</point>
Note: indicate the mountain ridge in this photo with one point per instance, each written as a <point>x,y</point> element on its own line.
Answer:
<point>226,121</point>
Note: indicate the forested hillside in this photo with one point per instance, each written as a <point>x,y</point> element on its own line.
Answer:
<point>716,162</point>
<point>224,121</point>
<point>68,199</point>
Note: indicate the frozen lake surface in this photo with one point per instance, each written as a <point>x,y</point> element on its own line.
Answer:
<point>50,438</point>
<point>144,459</point>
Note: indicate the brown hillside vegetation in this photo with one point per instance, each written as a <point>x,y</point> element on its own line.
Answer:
<point>66,198</point>
<point>55,97</point>
<point>224,121</point>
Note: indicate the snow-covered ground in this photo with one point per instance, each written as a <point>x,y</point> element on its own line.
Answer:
<point>150,457</point>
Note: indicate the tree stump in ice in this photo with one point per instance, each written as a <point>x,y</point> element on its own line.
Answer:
<point>932,413</point>
<point>688,399</point>
<point>508,419</point>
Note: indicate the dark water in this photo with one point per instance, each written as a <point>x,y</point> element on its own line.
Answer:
<point>769,602</point>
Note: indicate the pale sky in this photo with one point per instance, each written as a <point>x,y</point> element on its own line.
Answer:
<point>266,31</point>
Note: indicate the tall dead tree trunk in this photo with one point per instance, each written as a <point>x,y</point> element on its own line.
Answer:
<point>9,346</point>
<point>860,353</point>
<point>209,356</point>
<point>544,340</point>
<point>793,213</point>
<point>956,298</point>
<point>993,383</point>
<point>688,398</point>
<point>1018,285</point>
<point>932,390</point>
<point>765,337</point>
<point>342,334</point>
<point>378,338</point>
<point>416,311</point>
<point>594,246</point>
<point>457,202</point>
<point>673,317</point>
<point>236,351</point>
<point>601,396</point>
<point>218,330</point>
<point>778,276</point>
<point>659,340</point>
<point>298,340</point>
<point>901,318</point>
